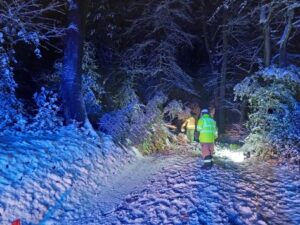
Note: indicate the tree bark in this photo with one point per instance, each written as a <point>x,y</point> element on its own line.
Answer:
<point>265,16</point>
<point>285,37</point>
<point>267,37</point>
<point>243,112</point>
<point>207,42</point>
<point>223,80</point>
<point>71,77</point>
<point>206,39</point>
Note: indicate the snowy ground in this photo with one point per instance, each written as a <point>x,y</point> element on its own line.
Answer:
<point>37,173</point>
<point>175,190</point>
<point>86,186</point>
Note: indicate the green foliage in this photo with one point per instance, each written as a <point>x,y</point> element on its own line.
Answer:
<point>155,141</point>
<point>274,119</point>
<point>234,146</point>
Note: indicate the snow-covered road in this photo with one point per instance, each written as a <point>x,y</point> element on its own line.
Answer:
<point>175,190</point>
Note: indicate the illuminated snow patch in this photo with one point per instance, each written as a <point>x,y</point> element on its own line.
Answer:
<point>237,157</point>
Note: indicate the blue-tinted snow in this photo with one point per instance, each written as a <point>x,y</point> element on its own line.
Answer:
<point>39,173</point>
<point>175,190</point>
<point>69,179</point>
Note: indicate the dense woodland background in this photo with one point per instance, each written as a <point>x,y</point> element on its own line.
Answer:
<point>131,66</point>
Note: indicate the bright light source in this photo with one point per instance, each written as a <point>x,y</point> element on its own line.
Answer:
<point>237,157</point>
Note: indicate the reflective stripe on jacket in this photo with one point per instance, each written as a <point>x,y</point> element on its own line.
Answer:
<point>207,128</point>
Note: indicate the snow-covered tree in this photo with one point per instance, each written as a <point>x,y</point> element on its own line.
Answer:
<point>274,119</point>
<point>241,36</point>
<point>21,21</point>
<point>279,21</point>
<point>157,34</point>
<point>230,47</point>
<point>11,114</point>
<point>27,21</point>
<point>92,84</point>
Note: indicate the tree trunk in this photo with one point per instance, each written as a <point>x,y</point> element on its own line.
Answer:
<point>207,40</point>
<point>223,80</point>
<point>285,37</point>
<point>243,112</point>
<point>267,38</point>
<point>71,78</point>
<point>265,20</point>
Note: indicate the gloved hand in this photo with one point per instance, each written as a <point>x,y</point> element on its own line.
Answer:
<point>182,130</point>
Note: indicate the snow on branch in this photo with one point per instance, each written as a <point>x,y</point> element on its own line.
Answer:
<point>29,21</point>
<point>159,34</point>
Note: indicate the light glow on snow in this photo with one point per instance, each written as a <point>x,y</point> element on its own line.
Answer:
<point>237,157</point>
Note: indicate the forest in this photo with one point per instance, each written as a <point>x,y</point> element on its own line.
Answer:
<point>91,88</point>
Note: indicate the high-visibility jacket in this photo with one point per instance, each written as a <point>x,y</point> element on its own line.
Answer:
<point>207,128</point>
<point>190,123</point>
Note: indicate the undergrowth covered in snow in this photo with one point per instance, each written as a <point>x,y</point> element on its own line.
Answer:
<point>274,120</point>
<point>145,125</point>
<point>138,124</point>
<point>46,118</point>
<point>11,109</point>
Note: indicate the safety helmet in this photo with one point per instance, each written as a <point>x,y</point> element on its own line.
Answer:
<point>203,111</point>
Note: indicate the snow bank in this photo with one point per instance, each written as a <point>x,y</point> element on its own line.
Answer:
<point>38,173</point>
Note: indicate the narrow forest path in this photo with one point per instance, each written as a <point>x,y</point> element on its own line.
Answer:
<point>175,190</point>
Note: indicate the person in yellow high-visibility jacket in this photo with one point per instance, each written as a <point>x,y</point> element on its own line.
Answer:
<point>208,134</point>
<point>190,125</point>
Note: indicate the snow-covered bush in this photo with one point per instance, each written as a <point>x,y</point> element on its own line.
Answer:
<point>144,123</point>
<point>274,120</point>
<point>148,130</point>
<point>11,109</point>
<point>138,124</point>
<point>117,123</point>
<point>47,118</point>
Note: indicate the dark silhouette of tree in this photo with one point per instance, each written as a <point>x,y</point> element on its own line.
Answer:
<point>71,78</point>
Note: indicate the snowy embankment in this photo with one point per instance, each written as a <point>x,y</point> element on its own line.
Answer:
<point>39,172</point>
